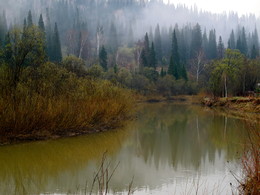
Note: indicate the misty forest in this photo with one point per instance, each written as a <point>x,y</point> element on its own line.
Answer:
<point>149,73</point>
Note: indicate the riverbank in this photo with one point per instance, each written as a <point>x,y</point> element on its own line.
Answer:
<point>50,102</point>
<point>242,104</point>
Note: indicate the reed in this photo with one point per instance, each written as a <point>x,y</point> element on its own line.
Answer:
<point>250,182</point>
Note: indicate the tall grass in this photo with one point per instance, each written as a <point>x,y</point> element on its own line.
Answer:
<point>50,101</point>
<point>250,184</point>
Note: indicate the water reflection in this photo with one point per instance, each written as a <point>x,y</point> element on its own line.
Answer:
<point>168,147</point>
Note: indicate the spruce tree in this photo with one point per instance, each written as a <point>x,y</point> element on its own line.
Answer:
<point>196,41</point>
<point>205,42</point>
<point>231,41</point>
<point>41,24</point>
<point>220,48</point>
<point>212,47</point>
<point>256,41</point>
<point>184,73</point>
<point>152,57</point>
<point>48,34</point>
<point>243,42</point>
<point>253,52</point>
<point>29,19</point>
<point>103,58</point>
<point>158,43</point>
<point>3,28</point>
<point>144,62</point>
<point>175,67</point>
<point>56,46</point>
<point>239,44</point>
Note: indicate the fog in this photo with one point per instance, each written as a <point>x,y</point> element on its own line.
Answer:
<point>138,16</point>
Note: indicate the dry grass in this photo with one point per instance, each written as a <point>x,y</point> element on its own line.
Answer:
<point>250,184</point>
<point>57,103</point>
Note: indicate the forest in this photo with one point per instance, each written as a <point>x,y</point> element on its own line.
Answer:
<point>76,67</point>
<point>59,52</point>
<point>128,46</point>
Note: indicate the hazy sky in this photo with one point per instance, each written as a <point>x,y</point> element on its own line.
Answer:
<point>218,6</point>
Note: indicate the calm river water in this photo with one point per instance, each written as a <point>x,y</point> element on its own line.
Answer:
<point>170,149</point>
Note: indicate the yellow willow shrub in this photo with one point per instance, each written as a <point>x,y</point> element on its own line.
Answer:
<point>49,100</point>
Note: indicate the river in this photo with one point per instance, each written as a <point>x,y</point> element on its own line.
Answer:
<point>169,149</point>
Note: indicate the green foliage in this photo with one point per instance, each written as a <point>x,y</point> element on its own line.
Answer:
<point>151,74</point>
<point>152,57</point>
<point>95,71</point>
<point>23,49</point>
<point>103,58</point>
<point>175,68</point>
<point>75,65</point>
<point>55,55</point>
<point>226,72</point>
<point>29,19</point>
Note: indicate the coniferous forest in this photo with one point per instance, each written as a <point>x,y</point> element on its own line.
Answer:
<point>75,67</point>
<point>128,44</point>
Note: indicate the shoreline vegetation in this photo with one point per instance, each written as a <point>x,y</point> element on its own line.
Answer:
<point>56,103</point>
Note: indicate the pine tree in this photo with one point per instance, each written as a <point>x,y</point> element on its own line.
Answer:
<point>253,52</point>
<point>243,42</point>
<point>184,72</point>
<point>48,34</point>
<point>56,46</point>
<point>205,42</point>
<point>152,57</point>
<point>103,58</point>
<point>231,41</point>
<point>255,40</point>
<point>196,41</point>
<point>239,44</point>
<point>158,43</point>
<point>3,28</point>
<point>220,48</point>
<point>144,62</point>
<point>212,47</point>
<point>41,24</point>
<point>29,19</point>
<point>175,67</point>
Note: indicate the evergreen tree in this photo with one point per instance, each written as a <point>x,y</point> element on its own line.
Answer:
<point>175,67</point>
<point>253,52</point>
<point>239,44</point>
<point>48,34</point>
<point>220,48</point>
<point>184,72</point>
<point>144,62</point>
<point>152,57</point>
<point>56,46</point>
<point>103,58</point>
<point>255,41</point>
<point>196,41</point>
<point>243,48</point>
<point>231,41</point>
<point>41,24</point>
<point>212,47</point>
<point>29,19</point>
<point>3,28</point>
<point>158,43</point>
<point>205,42</point>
